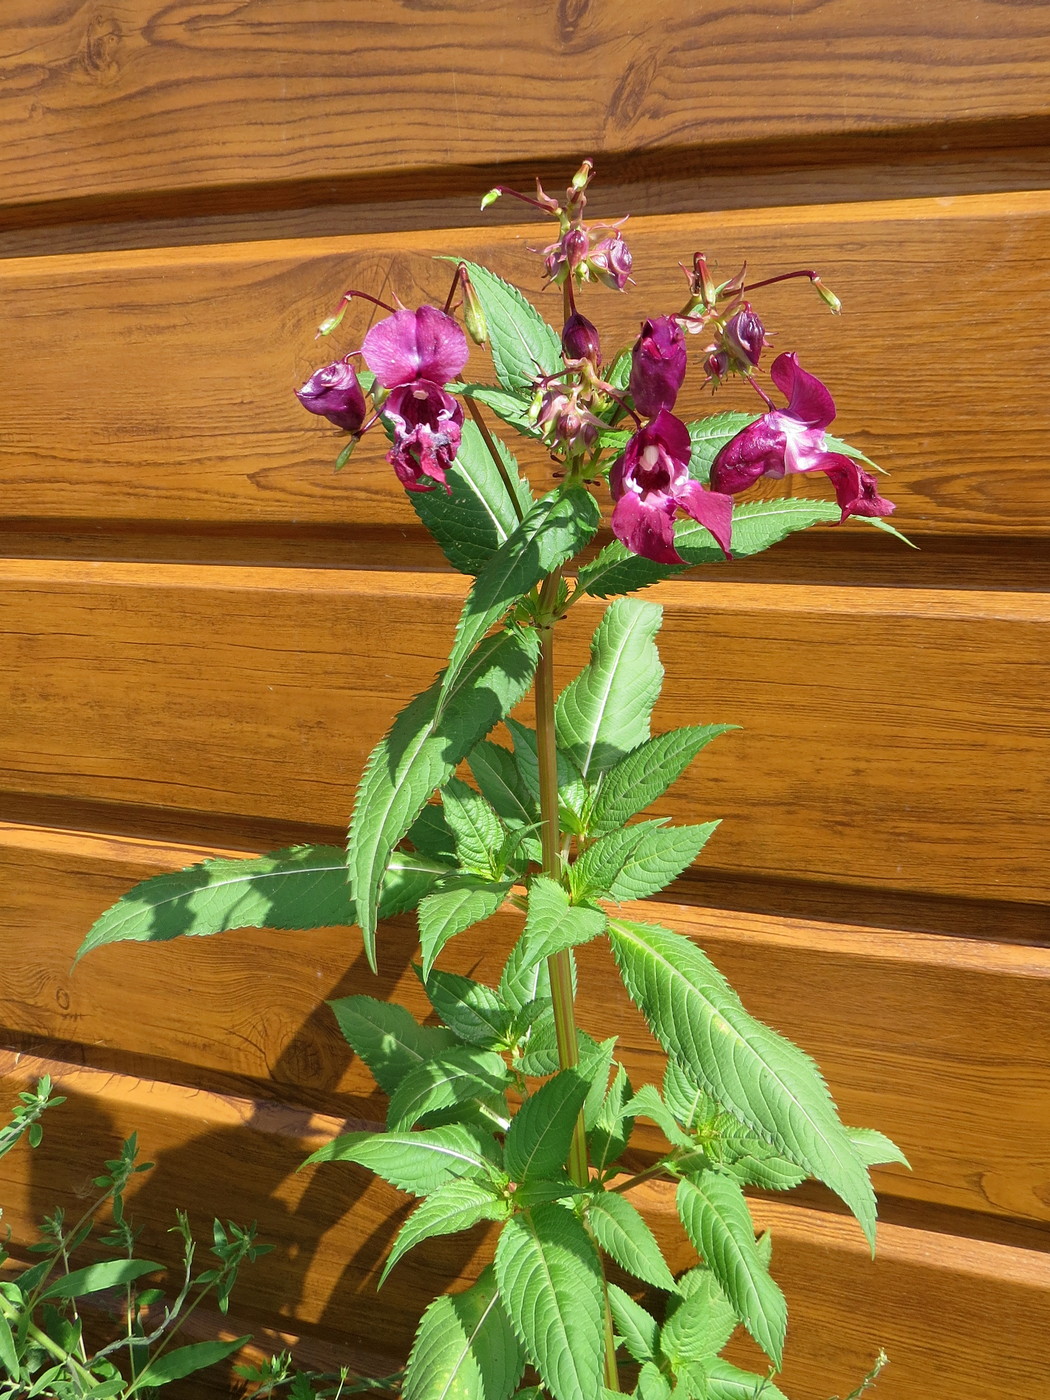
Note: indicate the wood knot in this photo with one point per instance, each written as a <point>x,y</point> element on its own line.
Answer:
<point>97,55</point>
<point>632,89</point>
<point>571,14</point>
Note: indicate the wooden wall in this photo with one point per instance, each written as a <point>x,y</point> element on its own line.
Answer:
<point>204,629</point>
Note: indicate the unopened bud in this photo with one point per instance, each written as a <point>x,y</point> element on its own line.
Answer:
<point>333,392</point>
<point>701,283</point>
<point>473,313</point>
<point>582,178</point>
<point>827,295</point>
<point>490,198</point>
<point>744,338</point>
<point>610,262</point>
<point>579,340</point>
<point>716,367</point>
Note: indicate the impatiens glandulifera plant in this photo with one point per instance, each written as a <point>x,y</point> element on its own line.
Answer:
<point>506,1110</point>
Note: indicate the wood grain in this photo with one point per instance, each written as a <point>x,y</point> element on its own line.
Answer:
<point>958,1316</point>
<point>182,95</point>
<point>941,1042</point>
<point>890,739</point>
<point>180,365</point>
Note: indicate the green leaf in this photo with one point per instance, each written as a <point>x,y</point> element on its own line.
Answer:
<point>751,1070</point>
<point>604,713</point>
<point>647,1103</point>
<point>523,984</point>
<point>637,1328</point>
<point>475,824</point>
<point>388,1038</point>
<point>761,1165</point>
<point>417,1162</point>
<point>727,1382</point>
<point>716,1219</point>
<point>472,1010</point>
<point>646,772</point>
<point>556,527</point>
<point>432,837</point>
<point>419,753</point>
<point>879,523</point>
<point>690,1104</point>
<point>185,1361</point>
<point>9,1361</point>
<point>112,1273</point>
<point>876,1149</point>
<point>470,524</point>
<point>550,1278</point>
<point>448,912</point>
<point>537,1143</point>
<point>613,1125</point>
<point>553,924</point>
<point>457,1075</point>
<point>497,775</point>
<point>523,346</point>
<point>511,407</point>
<point>627,1239</point>
<point>596,1058</point>
<point>456,1206</point>
<point>636,861</point>
<point>700,1323</point>
<point>465,1348</point>
<point>304,887</point>
<point>835,444</point>
<point>619,372</point>
<point>571,789</point>
<point>709,435</point>
<point>652,1383</point>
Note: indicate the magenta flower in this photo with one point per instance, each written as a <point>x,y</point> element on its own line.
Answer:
<point>650,483</point>
<point>610,262</point>
<point>579,339</point>
<point>657,365</point>
<point>334,393</point>
<point>745,338</point>
<point>791,440</point>
<point>411,345</point>
<point>427,425</point>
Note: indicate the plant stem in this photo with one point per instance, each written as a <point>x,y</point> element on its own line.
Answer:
<point>501,466</point>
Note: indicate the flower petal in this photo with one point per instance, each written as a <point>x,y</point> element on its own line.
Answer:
<point>808,399</point>
<point>646,527</point>
<point>855,489</point>
<point>710,509</point>
<point>756,451</point>
<point>410,345</point>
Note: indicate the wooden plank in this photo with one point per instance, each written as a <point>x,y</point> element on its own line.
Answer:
<point>939,1041</point>
<point>958,1316</point>
<point>175,426</point>
<point>154,95</point>
<point>891,740</point>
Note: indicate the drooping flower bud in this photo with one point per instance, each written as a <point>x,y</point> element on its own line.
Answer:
<point>579,339</point>
<point>744,338</point>
<point>564,422</point>
<point>716,367</point>
<point>827,295</point>
<point>334,393</point>
<point>610,262</point>
<point>473,312</point>
<point>701,283</point>
<point>561,259</point>
<point>658,362</point>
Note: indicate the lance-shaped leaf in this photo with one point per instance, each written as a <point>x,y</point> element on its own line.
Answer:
<point>388,1038</point>
<point>604,713</point>
<point>637,1328</point>
<point>553,924</point>
<point>456,1206</point>
<point>96,1278</point>
<point>876,1148</point>
<point>613,1125</point>
<point>537,1143</point>
<point>449,911</point>
<point>699,1323</point>
<point>708,436</point>
<point>304,887</point>
<point>475,824</point>
<point>572,792</point>
<point>523,346</point>
<point>647,772</point>
<point>457,1075</point>
<point>431,835</point>
<point>496,774</point>
<point>416,1162</point>
<point>419,754</point>
<point>465,1348</point>
<point>690,1103</point>
<point>750,1069</point>
<point>550,1279</point>
<point>556,527</point>
<point>185,1361</point>
<point>636,861</point>
<point>716,1219</point>
<point>474,1011</point>
<point>627,1239</point>
<point>510,406</point>
<point>727,1382</point>
<point>470,524</point>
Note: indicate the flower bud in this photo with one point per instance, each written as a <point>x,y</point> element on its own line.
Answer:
<point>701,283</point>
<point>610,262</point>
<point>716,367</point>
<point>473,313</point>
<point>658,362</point>
<point>826,295</point>
<point>562,258</point>
<point>579,340</point>
<point>744,338</point>
<point>564,422</point>
<point>335,394</point>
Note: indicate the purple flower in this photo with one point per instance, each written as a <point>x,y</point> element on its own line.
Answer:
<point>411,345</point>
<point>791,440</point>
<point>650,483</point>
<point>610,262</point>
<point>579,339</point>
<point>745,338</point>
<point>657,365</point>
<point>426,423</point>
<point>334,393</point>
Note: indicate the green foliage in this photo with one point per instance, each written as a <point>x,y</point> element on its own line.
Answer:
<point>709,435</point>
<point>388,1038</point>
<point>416,1162</point>
<point>510,407</point>
<point>419,754</point>
<point>748,1068</point>
<point>475,1012</point>
<point>449,911</point>
<point>465,1348</point>
<point>470,523</point>
<point>699,1322</point>
<point>637,1328</point>
<point>633,862</point>
<point>523,345</point>
<point>458,1205</point>
<point>627,1239</point>
<point>476,826</point>
<point>462,1074</point>
<point>550,1278</point>
<point>537,1142</point>
<point>553,924</point>
<point>644,774</point>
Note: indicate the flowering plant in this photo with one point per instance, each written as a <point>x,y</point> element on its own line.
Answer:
<point>506,1111</point>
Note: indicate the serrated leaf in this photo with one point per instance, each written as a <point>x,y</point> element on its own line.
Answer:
<point>9,1361</point>
<point>523,984</point>
<point>727,1382</point>
<point>550,1278</point>
<point>834,444</point>
<point>431,835</point>
<point>604,712</point>
<point>419,753</point>
<point>709,435</point>
<point>552,924</point>
<point>186,1361</point>
<point>388,1038</point>
<point>523,346</point>
<point>475,824</point>
<point>474,1011</point>
<point>690,1104</point>
<point>572,791</point>
<point>619,372</point>
<point>537,1143</point>
<point>595,1062</point>
<point>497,775</point>
<point>458,1205</point>
<point>471,523</point>
<point>876,1149</point>
<point>465,1348</point>
<point>613,1125</point>
<point>645,773</point>
<point>636,861</point>
<point>457,1075</point>
<point>627,1239</point>
<point>700,1323</point>
<point>749,1068</point>
<point>652,1383</point>
<point>555,529</point>
<point>716,1219</point>
<point>637,1327</point>
<point>648,1103</point>
<point>95,1278</point>
<point>447,912</point>
<point>880,523</point>
<point>508,405</point>
<point>416,1162</point>
<point>763,1166</point>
